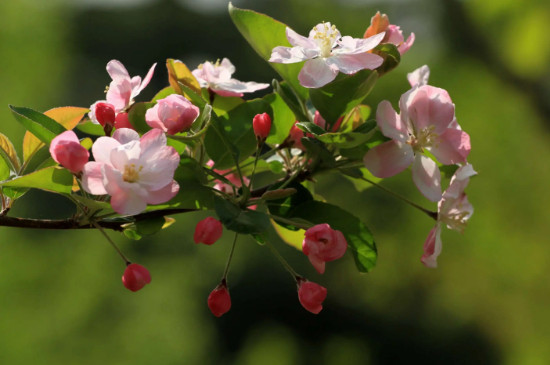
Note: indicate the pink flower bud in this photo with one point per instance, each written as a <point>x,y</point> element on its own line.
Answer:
<point>311,295</point>
<point>135,277</point>
<point>295,135</point>
<point>208,231</point>
<point>122,121</point>
<point>321,244</point>
<point>219,300</point>
<point>104,113</point>
<point>67,151</point>
<point>262,125</point>
<point>172,114</point>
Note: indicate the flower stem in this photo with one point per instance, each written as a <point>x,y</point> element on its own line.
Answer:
<point>282,261</point>
<point>224,277</point>
<point>128,262</point>
<point>430,213</point>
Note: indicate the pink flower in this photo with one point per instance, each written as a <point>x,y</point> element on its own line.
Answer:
<point>172,114</point>
<point>208,231</point>
<point>394,35</point>
<point>135,277</point>
<point>261,125</point>
<point>295,136</point>
<point>453,209</point>
<point>134,171</point>
<point>326,53</point>
<point>219,301</point>
<point>311,295</point>
<point>426,122</point>
<point>120,94</point>
<point>322,244</point>
<point>122,121</point>
<point>67,151</point>
<point>217,77</point>
<point>321,122</point>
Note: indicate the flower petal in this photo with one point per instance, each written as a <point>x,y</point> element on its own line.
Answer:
<point>432,247</point>
<point>125,135</point>
<point>427,177</point>
<point>388,158</point>
<point>282,54</point>
<point>452,147</point>
<point>102,148</point>
<point>390,122</point>
<point>403,48</point>
<point>117,71</point>
<point>351,63</point>
<point>316,73</point>
<point>298,40</point>
<point>427,109</point>
<point>164,194</point>
<point>146,80</point>
<point>92,178</point>
<point>419,76</point>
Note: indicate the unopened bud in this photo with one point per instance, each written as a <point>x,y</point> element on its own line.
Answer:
<point>262,125</point>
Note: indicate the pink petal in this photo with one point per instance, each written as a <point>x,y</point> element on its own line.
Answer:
<point>316,73</point>
<point>102,148</point>
<point>126,198</point>
<point>427,110</point>
<point>151,142</point>
<point>147,79</point>
<point>452,147</point>
<point>282,54</point>
<point>317,263</point>
<point>92,178</point>
<point>432,247</point>
<point>359,45</point>
<point>351,63</point>
<point>403,48</point>
<point>164,194</point>
<point>388,158</point>
<point>117,71</point>
<point>119,94</point>
<point>298,40</point>
<point>419,76</point>
<point>390,122</point>
<point>125,135</point>
<point>427,177</point>
<point>236,86</point>
<point>124,155</point>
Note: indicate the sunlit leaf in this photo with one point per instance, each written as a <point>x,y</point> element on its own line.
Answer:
<point>8,151</point>
<point>42,126</point>
<point>178,72</point>
<point>54,179</point>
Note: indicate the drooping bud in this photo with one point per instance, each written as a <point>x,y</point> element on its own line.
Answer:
<point>67,151</point>
<point>135,277</point>
<point>208,231</point>
<point>311,295</point>
<point>219,300</point>
<point>261,125</point>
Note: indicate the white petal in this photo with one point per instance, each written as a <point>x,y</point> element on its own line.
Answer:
<point>316,73</point>
<point>427,177</point>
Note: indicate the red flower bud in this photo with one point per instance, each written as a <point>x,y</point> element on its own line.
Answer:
<point>322,244</point>
<point>219,300</point>
<point>135,277</point>
<point>311,295</point>
<point>208,231</point>
<point>262,125</point>
<point>105,114</point>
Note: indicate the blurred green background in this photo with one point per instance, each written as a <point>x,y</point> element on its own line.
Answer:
<point>61,299</point>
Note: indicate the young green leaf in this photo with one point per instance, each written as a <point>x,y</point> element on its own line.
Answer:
<point>54,179</point>
<point>42,126</point>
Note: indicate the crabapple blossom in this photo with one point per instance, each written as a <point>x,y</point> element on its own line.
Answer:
<point>217,77</point>
<point>261,125</point>
<point>295,136</point>
<point>394,35</point>
<point>326,53</point>
<point>67,151</point>
<point>311,295</point>
<point>426,122</point>
<point>453,210</point>
<point>208,231</point>
<point>123,89</point>
<point>219,301</point>
<point>322,244</point>
<point>102,113</point>
<point>135,277</point>
<point>321,122</point>
<point>134,171</point>
<point>172,114</point>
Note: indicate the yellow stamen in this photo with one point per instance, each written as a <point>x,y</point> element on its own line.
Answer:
<point>130,174</point>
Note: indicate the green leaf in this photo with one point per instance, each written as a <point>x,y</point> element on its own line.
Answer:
<point>54,179</point>
<point>42,126</point>
<point>356,117</point>
<point>310,127</point>
<point>342,95</point>
<point>283,119</point>
<point>318,150</point>
<point>289,97</point>
<point>283,207</point>
<point>148,227</point>
<point>264,33</point>
<point>222,105</point>
<point>360,240</point>
<point>192,194</point>
<point>231,136</point>
<point>91,128</point>
<point>351,139</point>
<point>241,221</point>
<point>167,91</point>
<point>136,116</point>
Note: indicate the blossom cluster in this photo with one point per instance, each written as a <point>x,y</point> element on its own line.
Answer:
<point>198,145</point>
